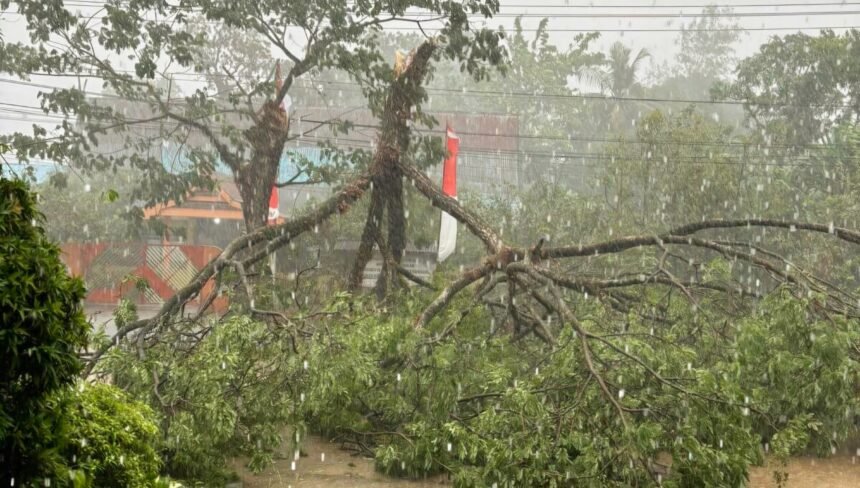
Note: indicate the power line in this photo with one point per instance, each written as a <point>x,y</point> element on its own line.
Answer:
<point>49,117</point>
<point>606,140</point>
<point>610,5</point>
<point>497,93</point>
<point>601,30</point>
<point>575,157</point>
<point>715,159</point>
<point>96,3</point>
<point>568,30</point>
<point>701,5</point>
<point>636,15</point>
<point>700,13</point>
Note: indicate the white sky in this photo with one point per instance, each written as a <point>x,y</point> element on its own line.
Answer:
<point>662,46</point>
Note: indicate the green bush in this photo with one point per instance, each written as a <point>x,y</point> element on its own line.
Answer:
<point>42,328</point>
<point>113,439</point>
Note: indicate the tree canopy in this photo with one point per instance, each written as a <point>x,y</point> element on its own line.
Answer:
<point>797,88</point>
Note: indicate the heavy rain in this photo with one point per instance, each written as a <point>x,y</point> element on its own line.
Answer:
<point>429,243</point>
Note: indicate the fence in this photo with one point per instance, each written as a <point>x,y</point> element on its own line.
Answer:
<point>147,274</point>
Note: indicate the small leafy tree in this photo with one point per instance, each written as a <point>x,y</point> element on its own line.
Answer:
<point>42,327</point>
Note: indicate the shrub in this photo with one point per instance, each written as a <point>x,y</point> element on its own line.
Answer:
<point>113,438</point>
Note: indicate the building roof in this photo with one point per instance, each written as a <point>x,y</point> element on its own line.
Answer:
<point>200,204</point>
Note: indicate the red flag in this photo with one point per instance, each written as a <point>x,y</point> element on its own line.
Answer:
<point>274,212</point>
<point>448,229</point>
<point>449,171</point>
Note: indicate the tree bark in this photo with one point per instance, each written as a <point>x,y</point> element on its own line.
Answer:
<point>368,239</point>
<point>256,177</point>
<point>387,175</point>
<point>396,215</point>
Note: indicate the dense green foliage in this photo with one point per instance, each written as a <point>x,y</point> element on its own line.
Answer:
<point>797,88</point>
<point>51,431</point>
<point>113,439</point>
<point>42,328</point>
<point>228,396</point>
<point>463,398</point>
<point>471,404</point>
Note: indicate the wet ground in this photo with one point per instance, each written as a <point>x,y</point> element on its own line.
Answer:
<point>840,471</point>
<point>326,465</point>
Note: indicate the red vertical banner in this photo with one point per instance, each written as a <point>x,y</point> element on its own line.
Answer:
<point>448,227</point>
<point>274,211</point>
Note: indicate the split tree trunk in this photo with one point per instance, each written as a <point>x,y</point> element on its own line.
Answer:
<point>255,178</point>
<point>368,238</point>
<point>387,175</point>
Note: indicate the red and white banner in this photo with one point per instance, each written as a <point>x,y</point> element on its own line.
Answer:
<point>448,229</point>
<point>274,212</point>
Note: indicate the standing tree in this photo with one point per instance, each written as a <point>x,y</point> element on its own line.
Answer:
<point>706,46</point>
<point>42,330</point>
<point>619,75</point>
<point>236,130</point>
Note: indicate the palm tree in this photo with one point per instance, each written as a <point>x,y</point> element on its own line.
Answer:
<point>617,75</point>
<point>623,70</point>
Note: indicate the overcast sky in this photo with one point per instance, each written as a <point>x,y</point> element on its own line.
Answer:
<point>616,20</point>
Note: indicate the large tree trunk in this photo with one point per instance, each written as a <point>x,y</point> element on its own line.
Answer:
<point>396,214</point>
<point>254,181</point>
<point>255,178</point>
<point>368,239</point>
<point>393,249</point>
<point>387,176</point>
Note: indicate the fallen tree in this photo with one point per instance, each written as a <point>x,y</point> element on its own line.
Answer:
<point>535,291</point>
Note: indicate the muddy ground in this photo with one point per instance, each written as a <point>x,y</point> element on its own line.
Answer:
<point>326,465</point>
